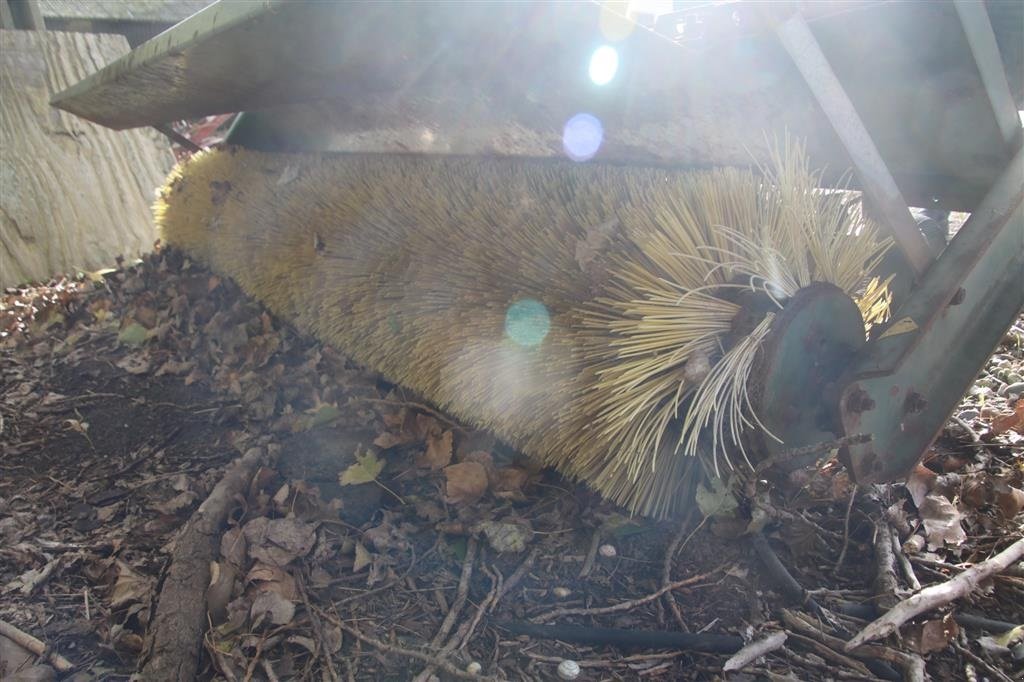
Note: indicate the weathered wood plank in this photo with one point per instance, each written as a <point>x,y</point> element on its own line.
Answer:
<point>73,195</point>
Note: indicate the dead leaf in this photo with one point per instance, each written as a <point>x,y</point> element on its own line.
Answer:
<point>179,502</point>
<point>135,363</point>
<point>175,367</point>
<point>933,635</point>
<point>363,558</point>
<point>233,547</point>
<point>427,427</point>
<point>508,483</point>
<point>266,577</point>
<point>919,483</point>
<point>438,453</point>
<point>366,470</point>
<point>1008,499</point>
<point>718,501</point>
<point>130,586</point>
<point>941,521</point>
<point>279,541</point>
<point>507,536</point>
<point>389,440</point>
<point>1012,421</point>
<point>273,607</point>
<point>465,482</point>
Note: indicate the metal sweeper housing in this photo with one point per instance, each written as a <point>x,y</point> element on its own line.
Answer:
<point>915,96</point>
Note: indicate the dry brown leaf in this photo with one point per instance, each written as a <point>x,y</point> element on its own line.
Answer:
<point>233,546</point>
<point>438,453</point>
<point>363,558</point>
<point>941,521</point>
<point>266,577</point>
<point>919,483</point>
<point>279,541</point>
<point>130,586</point>
<point>933,635</point>
<point>1011,421</point>
<point>1008,499</point>
<point>273,607</point>
<point>389,440</point>
<point>508,483</point>
<point>465,482</point>
<point>427,427</point>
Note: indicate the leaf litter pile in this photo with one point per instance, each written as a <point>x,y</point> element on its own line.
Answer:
<point>191,489</point>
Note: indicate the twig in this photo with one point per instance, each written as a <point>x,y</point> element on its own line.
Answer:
<point>453,612</point>
<point>460,595</point>
<point>465,633</point>
<point>904,562</point>
<point>754,651</point>
<point>626,605</point>
<point>674,548</point>
<point>846,530</point>
<point>36,646</point>
<point>620,637</point>
<point>874,656</point>
<point>979,661</point>
<point>416,406</point>
<point>318,628</point>
<point>623,662</point>
<point>831,654</point>
<point>516,576</point>
<point>588,563</point>
<point>410,653</point>
<point>937,595</point>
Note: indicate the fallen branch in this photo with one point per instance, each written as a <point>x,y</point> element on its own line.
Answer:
<point>36,646</point>
<point>886,584</point>
<point>176,632</point>
<point>937,595</point>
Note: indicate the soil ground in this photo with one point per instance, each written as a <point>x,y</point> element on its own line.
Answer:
<point>379,529</point>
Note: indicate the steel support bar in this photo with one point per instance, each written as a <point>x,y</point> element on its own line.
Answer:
<point>878,183</point>
<point>909,380</point>
<point>982,41</point>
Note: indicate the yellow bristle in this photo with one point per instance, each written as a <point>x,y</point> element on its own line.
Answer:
<point>422,267</point>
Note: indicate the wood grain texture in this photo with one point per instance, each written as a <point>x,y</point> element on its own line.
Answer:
<point>73,195</point>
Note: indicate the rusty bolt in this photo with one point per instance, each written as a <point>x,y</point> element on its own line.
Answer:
<point>859,401</point>
<point>914,403</point>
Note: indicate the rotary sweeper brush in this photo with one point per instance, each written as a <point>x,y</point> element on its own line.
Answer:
<point>676,293</point>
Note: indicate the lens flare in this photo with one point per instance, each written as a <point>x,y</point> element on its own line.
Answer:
<point>603,65</point>
<point>582,137</point>
<point>527,322</point>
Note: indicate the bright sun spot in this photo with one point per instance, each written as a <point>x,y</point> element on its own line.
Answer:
<point>603,65</point>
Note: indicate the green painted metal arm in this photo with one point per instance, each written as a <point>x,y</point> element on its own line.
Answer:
<point>910,378</point>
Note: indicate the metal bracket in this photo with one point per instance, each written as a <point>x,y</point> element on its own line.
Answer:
<point>878,183</point>
<point>911,377</point>
<point>982,41</point>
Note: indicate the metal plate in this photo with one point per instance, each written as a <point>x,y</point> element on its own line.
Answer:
<point>505,78</point>
<point>811,342</point>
